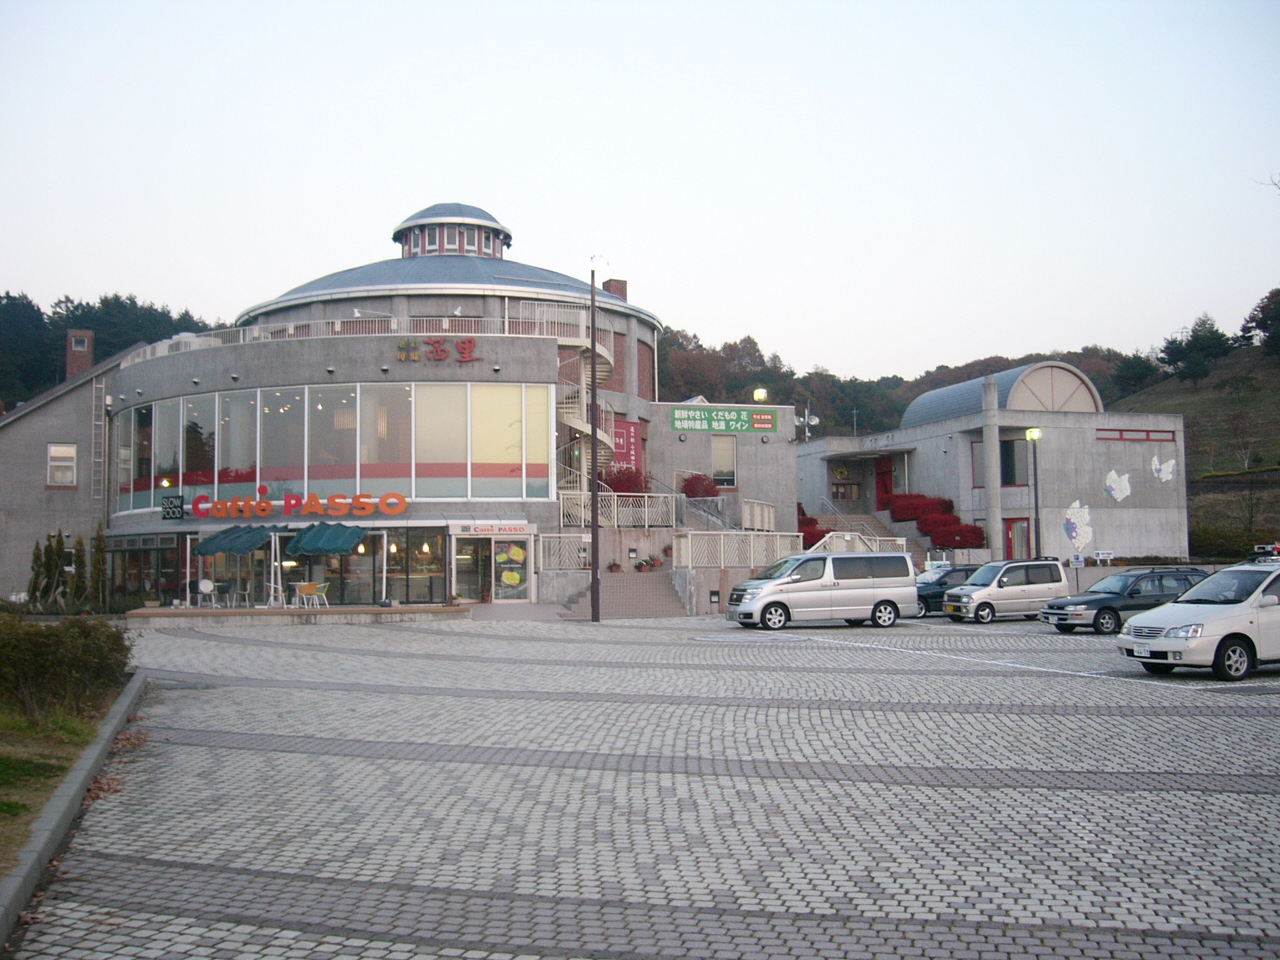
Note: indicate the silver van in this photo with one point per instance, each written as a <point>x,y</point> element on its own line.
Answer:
<point>852,587</point>
<point>1007,588</point>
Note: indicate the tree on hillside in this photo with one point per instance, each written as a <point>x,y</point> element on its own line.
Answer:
<point>1263,322</point>
<point>1135,372</point>
<point>24,350</point>
<point>119,322</point>
<point>1190,354</point>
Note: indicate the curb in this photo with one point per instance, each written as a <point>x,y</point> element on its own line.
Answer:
<point>51,826</point>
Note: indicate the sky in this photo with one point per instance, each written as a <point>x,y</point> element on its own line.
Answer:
<point>873,188</point>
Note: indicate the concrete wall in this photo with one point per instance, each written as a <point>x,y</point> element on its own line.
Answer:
<point>766,471</point>
<point>29,508</point>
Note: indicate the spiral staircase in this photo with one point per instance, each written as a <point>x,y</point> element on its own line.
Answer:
<point>573,406</point>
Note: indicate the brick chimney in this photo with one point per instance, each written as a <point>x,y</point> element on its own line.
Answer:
<point>616,287</point>
<point>79,352</point>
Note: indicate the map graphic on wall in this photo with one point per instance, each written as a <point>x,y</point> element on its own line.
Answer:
<point>1076,525</point>
<point>1117,486</point>
<point>1163,471</point>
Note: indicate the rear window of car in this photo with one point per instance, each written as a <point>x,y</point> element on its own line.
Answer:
<point>1043,573</point>
<point>1014,577</point>
<point>890,567</point>
<point>851,568</point>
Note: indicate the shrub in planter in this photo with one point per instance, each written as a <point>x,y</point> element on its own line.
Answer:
<point>697,486</point>
<point>931,523</point>
<point>965,537</point>
<point>908,506</point>
<point>810,535</point>
<point>624,479</point>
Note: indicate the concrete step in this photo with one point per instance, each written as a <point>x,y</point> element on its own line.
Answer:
<point>632,594</point>
<point>878,527</point>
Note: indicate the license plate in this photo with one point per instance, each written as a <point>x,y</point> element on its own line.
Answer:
<point>1141,650</point>
<point>950,608</point>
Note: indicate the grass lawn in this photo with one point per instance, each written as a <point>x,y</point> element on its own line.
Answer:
<point>33,761</point>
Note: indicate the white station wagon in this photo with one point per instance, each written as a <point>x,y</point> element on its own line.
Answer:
<point>1230,621</point>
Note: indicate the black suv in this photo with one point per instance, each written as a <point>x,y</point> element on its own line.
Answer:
<point>1112,600</point>
<point>932,584</point>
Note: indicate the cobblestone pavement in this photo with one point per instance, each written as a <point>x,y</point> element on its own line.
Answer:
<point>677,788</point>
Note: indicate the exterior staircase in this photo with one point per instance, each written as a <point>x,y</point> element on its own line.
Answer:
<point>631,594</point>
<point>875,526</point>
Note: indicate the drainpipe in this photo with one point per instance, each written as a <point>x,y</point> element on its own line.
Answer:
<point>991,466</point>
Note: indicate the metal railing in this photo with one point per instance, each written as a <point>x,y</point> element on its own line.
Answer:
<point>634,510</point>
<point>562,322</point>
<point>564,551</point>
<point>743,549</point>
<point>848,525</point>
<point>847,542</point>
<point>696,508</point>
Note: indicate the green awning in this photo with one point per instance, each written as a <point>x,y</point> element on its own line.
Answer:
<point>328,539</point>
<point>238,540</point>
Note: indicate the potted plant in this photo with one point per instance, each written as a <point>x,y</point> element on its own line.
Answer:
<point>666,551</point>
<point>655,562</point>
<point>643,565</point>
<point>614,566</point>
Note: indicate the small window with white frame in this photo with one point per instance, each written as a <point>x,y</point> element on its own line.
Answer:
<point>451,238</point>
<point>488,241</point>
<point>471,239</point>
<point>62,465</point>
<point>417,239</point>
<point>80,344</point>
<point>431,237</point>
<point>724,460</point>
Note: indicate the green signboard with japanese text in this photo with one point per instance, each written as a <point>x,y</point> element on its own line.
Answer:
<point>724,419</point>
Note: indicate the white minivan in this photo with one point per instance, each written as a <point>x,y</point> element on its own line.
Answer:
<point>852,587</point>
<point>1229,621</point>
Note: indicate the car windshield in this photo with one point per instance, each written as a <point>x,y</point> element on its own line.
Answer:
<point>985,575</point>
<point>1226,586</point>
<point>778,569</point>
<point>932,576</point>
<point>1111,584</point>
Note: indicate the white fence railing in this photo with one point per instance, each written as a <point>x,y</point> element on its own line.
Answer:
<point>619,509</point>
<point>737,549</point>
<point>560,321</point>
<point>847,542</point>
<point>759,515</point>
<point>564,551</point>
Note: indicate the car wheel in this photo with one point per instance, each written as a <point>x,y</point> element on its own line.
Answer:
<point>1234,659</point>
<point>954,619</point>
<point>1107,621</point>
<point>1158,667</point>
<point>984,614</point>
<point>773,617</point>
<point>922,608</point>
<point>884,614</point>
<point>1065,627</point>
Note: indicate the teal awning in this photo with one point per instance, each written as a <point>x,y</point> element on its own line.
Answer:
<point>329,539</point>
<point>238,540</point>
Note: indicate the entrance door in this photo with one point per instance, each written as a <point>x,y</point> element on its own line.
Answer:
<point>1017,538</point>
<point>473,568</point>
<point>884,480</point>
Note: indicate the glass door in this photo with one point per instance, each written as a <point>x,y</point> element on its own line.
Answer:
<point>473,568</point>
<point>1017,538</point>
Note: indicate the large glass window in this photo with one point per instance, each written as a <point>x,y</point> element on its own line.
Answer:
<point>386,439</point>
<point>199,434</point>
<point>331,432</point>
<point>1013,463</point>
<point>124,462</point>
<point>142,457</point>
<point>537,432</point>
<point>237,444</point>
<point>166,429</point>
<point>497,440</point>
<point>284,439</point>
<point>441,470</point>
<point>724,460</point>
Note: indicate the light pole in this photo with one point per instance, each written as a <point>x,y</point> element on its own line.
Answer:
<point>1033,437</point>
<point>593,412</point>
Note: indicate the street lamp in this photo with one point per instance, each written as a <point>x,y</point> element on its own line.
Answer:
<point>1033,437</point>
<point>593,412</point>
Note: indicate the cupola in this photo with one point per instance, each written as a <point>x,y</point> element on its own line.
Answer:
<point>455,229</point>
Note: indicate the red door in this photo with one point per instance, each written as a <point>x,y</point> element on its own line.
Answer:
<point>1017,538</point>
<point>884,481</point>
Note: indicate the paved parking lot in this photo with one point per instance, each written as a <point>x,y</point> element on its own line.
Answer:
<point>677,788</point>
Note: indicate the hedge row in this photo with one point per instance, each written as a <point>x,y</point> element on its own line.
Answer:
<point>912,506</point>
<point>67,666</point>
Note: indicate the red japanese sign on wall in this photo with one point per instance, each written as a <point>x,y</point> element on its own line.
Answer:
<point>627,448</point>
<point>463,350</point>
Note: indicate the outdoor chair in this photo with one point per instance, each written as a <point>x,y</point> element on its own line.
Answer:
<point>321,594</point>
<point>208,593</point>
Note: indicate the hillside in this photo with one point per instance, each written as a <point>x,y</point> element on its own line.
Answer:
<point>1232,415</point>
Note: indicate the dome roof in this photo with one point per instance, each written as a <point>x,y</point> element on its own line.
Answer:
<point>451,213</point>
<point>1048,385</point>
<point>416,276</point>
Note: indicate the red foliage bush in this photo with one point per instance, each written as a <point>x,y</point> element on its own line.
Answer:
<point>965,537</point>
<point>908,506</point>
<point>811,534</point>
<point>624,479</point>
<point>698,485</point>
<point>931,523</point>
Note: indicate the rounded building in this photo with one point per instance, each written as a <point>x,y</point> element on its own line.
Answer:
<point>435,405</point>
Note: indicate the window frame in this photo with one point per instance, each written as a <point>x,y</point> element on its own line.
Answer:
<point>51,464</point>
